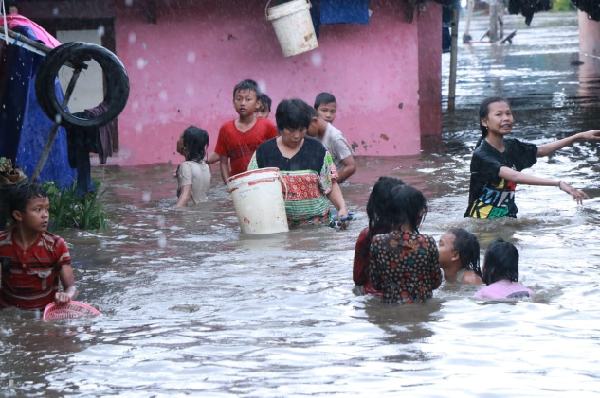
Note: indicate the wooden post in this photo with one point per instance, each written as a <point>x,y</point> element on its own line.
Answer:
<point>453,57</point>
<point>470,8</point>
<point>494,21</point>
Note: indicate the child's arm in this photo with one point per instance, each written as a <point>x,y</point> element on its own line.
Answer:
<point>184,196</point>
<point>547,149</point>
<point>213,158</point>
<point>335,196</point>
<point>348,168</point>
<point>68,281</point>
<point>520,178</point>
<point>224,166</point>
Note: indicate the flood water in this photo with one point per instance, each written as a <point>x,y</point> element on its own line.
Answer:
<point>193,308</point>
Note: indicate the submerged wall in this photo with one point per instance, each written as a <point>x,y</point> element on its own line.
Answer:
<point>184,67</point>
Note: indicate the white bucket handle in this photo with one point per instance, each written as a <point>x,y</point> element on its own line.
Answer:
<point>267,7</point>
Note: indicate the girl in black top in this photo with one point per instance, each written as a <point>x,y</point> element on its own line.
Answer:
<point>497,163</point>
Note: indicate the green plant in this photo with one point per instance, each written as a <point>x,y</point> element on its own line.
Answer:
<point>69,209</point>
<point>562,5</point>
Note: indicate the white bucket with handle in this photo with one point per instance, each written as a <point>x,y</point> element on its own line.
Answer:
<point>258,201</point>
<point>293,26</point>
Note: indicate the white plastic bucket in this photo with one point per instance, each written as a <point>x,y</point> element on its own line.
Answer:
<point>258,201</point>
<point>293,26</point>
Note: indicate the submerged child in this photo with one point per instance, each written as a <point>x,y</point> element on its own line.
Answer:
<point>193,175</point>
<point>35,263</point>
<point>497,163</point>
<point>264,106</point>
<point>238,139</point>
<point>379,199</point>
<point>404,263</point>
<point>501,273</point>
<point>459,257</point>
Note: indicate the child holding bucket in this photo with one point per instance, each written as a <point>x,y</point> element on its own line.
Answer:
<point>307,167</point>
<point>239,138</point>
<point>34,262</point>
<point>193,175</point>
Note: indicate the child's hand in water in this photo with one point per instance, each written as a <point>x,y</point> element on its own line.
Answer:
<point>575,193</point>
<point>62,298</point>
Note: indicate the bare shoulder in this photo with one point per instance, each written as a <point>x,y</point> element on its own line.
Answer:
<point>471,278</point>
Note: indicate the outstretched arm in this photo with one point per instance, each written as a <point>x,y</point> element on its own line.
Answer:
<point>549,148</point>
<point>520,178</point>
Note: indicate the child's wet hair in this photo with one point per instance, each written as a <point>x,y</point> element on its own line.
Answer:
<point>501,261</point>
<point>379,200</point>
<point>21,194</point>
<point>291,114</point>
<point>324,98</point>
<point>265,100</point>
<point>484,109</point>
<point>247,84</point>
<point>467,246</point>
<point>408,206</point>
<point>195,142</point>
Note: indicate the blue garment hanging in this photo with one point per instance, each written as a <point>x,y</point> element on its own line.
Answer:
<point>24,127</point>
<point>344,12</point>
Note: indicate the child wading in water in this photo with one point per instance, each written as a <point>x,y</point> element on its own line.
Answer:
<point>497,163</point>
<point>379,200</point>
<point>193,175</point>
<point>238,139</point>
<point>404,263</point>
<point>501,273</point>
<point>34,262</point>
<point>459,257</point>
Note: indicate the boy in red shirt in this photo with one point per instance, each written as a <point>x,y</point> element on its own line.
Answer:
<point>34,261</point>
<point>239,138</point>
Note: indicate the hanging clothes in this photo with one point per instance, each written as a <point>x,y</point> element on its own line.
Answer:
<point>528,7</point>
<point>344,12</point>
<point>24,127</point>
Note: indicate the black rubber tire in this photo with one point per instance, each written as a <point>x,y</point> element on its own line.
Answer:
<point>115,77</point>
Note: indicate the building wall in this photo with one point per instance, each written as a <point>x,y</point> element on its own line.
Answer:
<point>183,70</point>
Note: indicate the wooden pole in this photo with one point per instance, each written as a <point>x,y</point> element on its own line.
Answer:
<point>453,58</point>
<point>494,21</point>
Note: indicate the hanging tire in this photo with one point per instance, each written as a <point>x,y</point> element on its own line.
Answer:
<point>116,90</point>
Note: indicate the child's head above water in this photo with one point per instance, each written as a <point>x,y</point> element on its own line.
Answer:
<point>193,143</point>
<point>408,207</point>
<point>326,106</point>
<point>501,261</point>
<point>379,201</point>
<point>487,110</point>
<point>264,105</point>
<point>460,248</point>
<point>28,205</point>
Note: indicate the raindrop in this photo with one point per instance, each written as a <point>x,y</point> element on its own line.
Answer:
<point>146,196</point>
<point>160,222</point>
<point>262,85</point>
<point>163,95</point>
<point>55,11</point>
<point>139,127</point>
<point>191,57</point>
<point>58,118</point>
<point>141,63</point>
<point>100,31</point>
<point>132,37</point>
<point>162,241</point>
<point>128,3</point>
<point>316,59</point>
<point>189,90</point>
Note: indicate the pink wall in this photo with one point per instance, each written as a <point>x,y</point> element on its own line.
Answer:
<point>183,70</point>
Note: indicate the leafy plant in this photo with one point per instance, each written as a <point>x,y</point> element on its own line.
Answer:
<point>562,5</point>
<point>69,209</point>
